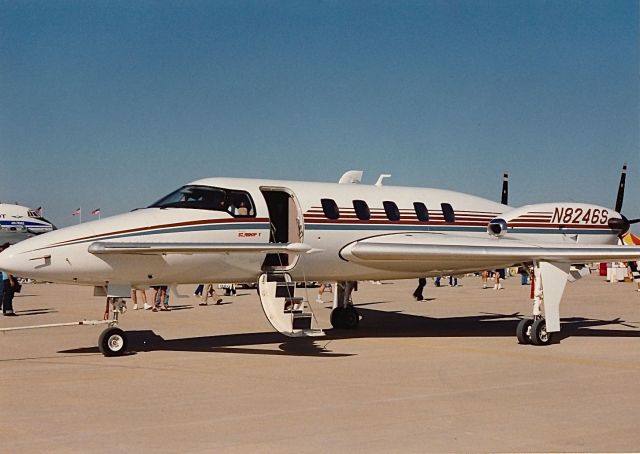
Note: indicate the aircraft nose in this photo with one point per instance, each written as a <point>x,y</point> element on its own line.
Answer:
<point>13,262</point>
<point>5,260</point>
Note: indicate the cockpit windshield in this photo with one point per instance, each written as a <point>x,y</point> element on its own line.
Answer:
<point>236,203</point>
<point>35,214</point>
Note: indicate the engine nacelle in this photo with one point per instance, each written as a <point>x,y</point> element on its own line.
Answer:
<point>567,221</point>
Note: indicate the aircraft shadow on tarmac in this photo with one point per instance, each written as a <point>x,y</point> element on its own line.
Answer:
<point>145,341</point>
<point>375,324</point>
<point>40,311</point>
<point>398,324</point>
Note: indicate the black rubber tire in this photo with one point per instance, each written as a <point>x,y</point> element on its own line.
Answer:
<point>337,318</point>
<point>522,331</point>
<point>350,318</point>
<point>345,318</point>
<point>539,334</point>
<point>112,342</point>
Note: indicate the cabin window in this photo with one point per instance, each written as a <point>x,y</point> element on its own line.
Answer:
<point>236,203</point>
<point>421,211</point>
<point>392,211</point>
<point>330,208</point>
<point>362,210</point>
<point>447,212</point>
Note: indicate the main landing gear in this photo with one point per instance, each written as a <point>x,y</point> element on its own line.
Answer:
<point>344,315</point>
<point>113,341</point>
<point>530,331</point>
<point>549,281</point>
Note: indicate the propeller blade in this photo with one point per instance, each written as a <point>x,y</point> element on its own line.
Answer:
<point>634,221</point>
<point>620,198</point>
<point>505,189</point>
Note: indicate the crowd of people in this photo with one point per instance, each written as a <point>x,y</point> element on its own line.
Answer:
<point>160,297</point>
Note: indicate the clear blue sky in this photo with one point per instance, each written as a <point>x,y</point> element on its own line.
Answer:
<point>113,104</point>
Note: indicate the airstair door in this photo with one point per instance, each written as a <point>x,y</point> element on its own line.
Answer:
<point>287,226</point>
<point>289,315</point>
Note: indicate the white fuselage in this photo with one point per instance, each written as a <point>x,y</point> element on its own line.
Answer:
<point>294,211</point>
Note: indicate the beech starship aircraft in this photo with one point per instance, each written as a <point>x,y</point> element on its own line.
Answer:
<point>280,232</point>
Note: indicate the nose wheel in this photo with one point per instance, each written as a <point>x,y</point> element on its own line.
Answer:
<point>112,342</point>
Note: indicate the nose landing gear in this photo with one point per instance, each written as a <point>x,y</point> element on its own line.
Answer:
<point>113,341</point>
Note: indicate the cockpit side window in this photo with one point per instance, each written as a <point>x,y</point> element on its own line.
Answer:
<point>236,203</point>
<point>240,204</point>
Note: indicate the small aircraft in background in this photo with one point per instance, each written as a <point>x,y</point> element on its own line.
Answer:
<point>19,222</point>
<point>278,232</point>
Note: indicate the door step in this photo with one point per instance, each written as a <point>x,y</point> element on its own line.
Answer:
<point>287,313</point>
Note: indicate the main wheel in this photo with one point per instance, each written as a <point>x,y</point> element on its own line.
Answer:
<point>351,318</point>
<point>539,334</point>
<point>523,331</point>
<point>345,317</point>
<point>112,342</point>
<point>337,317</point>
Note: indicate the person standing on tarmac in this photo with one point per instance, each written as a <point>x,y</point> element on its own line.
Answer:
<point>417,294</point>
<point>209,292</point>
<point>7,289</point>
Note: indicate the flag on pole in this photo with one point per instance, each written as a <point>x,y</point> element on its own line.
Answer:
<point>96,212</point>
<point>76,212</point>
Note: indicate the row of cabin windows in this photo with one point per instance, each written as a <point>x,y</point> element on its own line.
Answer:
<point>363,212</point>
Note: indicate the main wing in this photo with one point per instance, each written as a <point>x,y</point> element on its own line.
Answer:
<point>448,253</point>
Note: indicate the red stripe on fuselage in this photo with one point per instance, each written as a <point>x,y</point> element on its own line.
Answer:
<point>164,226</point>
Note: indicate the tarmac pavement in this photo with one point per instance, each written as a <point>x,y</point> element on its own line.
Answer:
<point>444,375</point>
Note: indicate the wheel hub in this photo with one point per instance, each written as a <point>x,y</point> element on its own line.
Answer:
<point>115,342</point>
